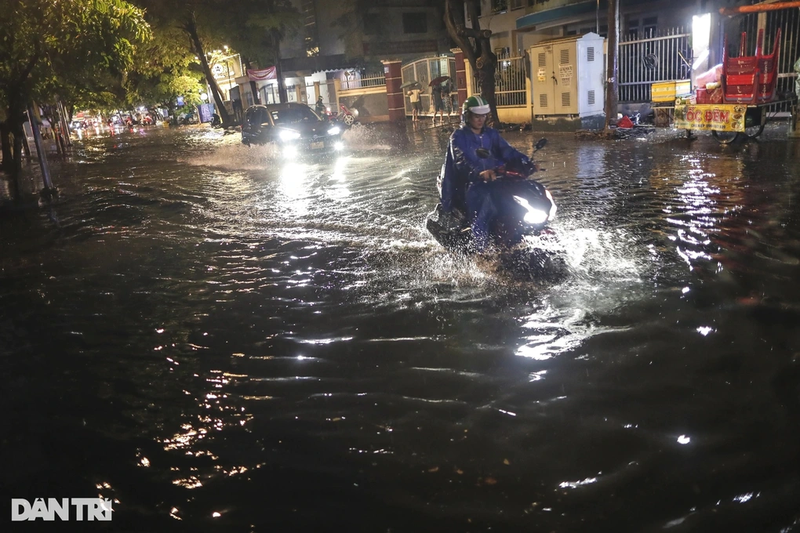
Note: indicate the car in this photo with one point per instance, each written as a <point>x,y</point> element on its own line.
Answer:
<point>291,125</point>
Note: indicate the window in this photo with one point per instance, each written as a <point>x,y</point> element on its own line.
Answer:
<point>649,25</point>
<point>293,114</point>
<point>415,23</point>
<point>633,28</point>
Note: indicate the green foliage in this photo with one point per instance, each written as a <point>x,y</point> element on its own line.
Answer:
<point>164,69</point>
<point>67,48</point>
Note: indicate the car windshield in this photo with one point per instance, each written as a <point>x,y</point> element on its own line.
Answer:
<point>256,116</point>
<point>293,114</point>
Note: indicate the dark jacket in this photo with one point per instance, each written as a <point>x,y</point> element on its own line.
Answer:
<point>462,166</point>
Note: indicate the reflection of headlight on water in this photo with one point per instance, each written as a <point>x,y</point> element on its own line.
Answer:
<point>533,216</point>
<point>338,146</point>
<point>289,150</point>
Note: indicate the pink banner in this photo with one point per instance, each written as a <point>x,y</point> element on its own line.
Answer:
<point>260,75</point>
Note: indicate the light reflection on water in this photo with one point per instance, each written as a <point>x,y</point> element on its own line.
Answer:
<point>287,331</point>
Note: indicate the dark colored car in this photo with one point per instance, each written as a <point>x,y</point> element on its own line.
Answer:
<point>290,125</point>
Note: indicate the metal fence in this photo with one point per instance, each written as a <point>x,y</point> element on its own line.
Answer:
<point>356,81</point>
<point>663,57</point>
<point>509,81</point>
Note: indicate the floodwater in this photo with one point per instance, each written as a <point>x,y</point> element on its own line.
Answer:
<point>221,339</point>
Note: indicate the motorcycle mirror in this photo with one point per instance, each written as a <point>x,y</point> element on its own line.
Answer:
<point>483,153</point>
<point>541,143</point>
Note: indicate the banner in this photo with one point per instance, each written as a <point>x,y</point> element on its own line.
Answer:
<point>261,75</point>
<point>719,117</point>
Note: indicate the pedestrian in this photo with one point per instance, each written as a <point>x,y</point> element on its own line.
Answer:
<point>416,105</point>
<point>320,106</point>
<point>438,104</point>
<point>467,183</point>
<point>447,98</point>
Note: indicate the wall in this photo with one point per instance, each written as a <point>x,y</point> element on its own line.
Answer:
<point>388,40</point>
<point>371,103</point>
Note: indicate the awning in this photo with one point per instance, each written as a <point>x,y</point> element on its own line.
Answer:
<point>556,15</point>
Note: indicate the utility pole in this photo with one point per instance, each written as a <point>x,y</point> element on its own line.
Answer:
<point>49,192</point>
<point>612,72</point>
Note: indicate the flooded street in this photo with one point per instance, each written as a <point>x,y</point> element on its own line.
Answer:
<point>222,339</point>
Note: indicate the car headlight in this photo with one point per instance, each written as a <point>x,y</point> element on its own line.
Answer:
<point>289,151</point>
<point>338,146</point>
<point>334,130</point>
<point>289,135</point>
<point>533,216</point>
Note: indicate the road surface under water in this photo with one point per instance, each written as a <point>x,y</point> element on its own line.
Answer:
<point>222,339</point>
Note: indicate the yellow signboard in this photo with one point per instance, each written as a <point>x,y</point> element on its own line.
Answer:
<point>719,117</point>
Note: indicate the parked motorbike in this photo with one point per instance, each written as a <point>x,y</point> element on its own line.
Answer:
<point>344,116</point>
<point>525,208</point>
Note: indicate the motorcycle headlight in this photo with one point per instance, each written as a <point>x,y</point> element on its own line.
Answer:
<point>535,217</point>
<point>532,216</point>
<point>289,135</point>
<point>334,130</point>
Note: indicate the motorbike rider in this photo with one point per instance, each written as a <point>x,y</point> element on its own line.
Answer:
<point>467,181</point>
<point>320,107</point>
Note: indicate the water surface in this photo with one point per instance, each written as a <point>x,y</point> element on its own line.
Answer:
<point>222,339</point>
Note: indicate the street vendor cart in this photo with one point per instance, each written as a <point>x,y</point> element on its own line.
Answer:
<point>734,102</point>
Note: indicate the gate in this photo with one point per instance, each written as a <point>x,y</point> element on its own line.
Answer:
<point>509,81</point>
<point>644,61</point>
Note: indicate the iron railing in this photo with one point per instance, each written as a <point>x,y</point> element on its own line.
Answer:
<point>510,76</point>
<point>359,82</point>
<point>642,62</point>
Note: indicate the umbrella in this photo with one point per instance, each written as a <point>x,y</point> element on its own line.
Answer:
<point>437,81</point>
<point>409,84</point>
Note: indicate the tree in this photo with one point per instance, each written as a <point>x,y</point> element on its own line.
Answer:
<point>474,42</point>
<point>278,20</point>
<point>46,47</point>
<point>165,69</point>
<point>199,21</point>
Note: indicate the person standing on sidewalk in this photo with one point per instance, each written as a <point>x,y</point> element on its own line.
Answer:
<point>416,105</point>
<point>447,98</point>
<point>438,104</point>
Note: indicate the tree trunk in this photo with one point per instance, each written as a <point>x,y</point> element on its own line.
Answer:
<point>487,64</point>
<point>191,29</point>
<point>5,141</point>
<point>475,44</point>
<point>612,75</point>
<point>13,136</point>
<point>253,85</point>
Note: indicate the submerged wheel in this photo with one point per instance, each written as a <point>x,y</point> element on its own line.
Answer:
<point>349,119</point>
<point>754,121</point>
<point>725,137</point>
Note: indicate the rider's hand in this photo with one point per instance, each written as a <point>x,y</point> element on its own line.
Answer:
<point>488,175</point>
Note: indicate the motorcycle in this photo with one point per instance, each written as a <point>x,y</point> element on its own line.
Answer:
<point>525,207</point>
<point>345,116</point>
